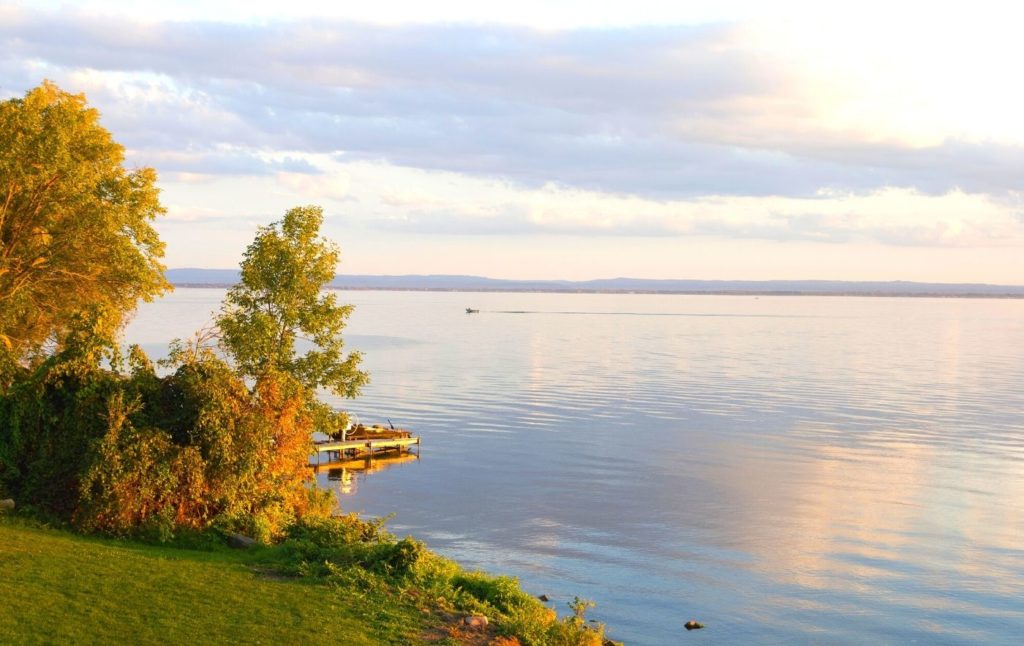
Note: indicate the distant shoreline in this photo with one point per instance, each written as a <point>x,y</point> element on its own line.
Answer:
<point>667,292</point>
<point>223,278</point>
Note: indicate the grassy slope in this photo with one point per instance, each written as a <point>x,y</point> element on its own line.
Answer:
<point>58,587</point>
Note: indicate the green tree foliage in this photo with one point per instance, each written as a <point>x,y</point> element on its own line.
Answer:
<point>76,239</point>
<point>108,443</point>
<point>140,477</point>
<point>279,303</point>
<point>49,419</point>
<point>104,440</point>
<point>130,451</point>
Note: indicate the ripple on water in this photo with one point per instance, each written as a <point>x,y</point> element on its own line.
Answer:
<point>833,470</point>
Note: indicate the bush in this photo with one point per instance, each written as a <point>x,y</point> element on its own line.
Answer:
<point>137,454</point>
<point>503,592</point>
<point>139,481</point>
<point>52,417</point>
<point>399,559</point>
<point>337,531</point>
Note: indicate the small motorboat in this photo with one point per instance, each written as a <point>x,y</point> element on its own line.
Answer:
<point>470,310</point>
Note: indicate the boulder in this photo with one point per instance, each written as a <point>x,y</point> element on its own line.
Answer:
<point>7,504</point>
<point>475,621</point>
<point>241,541</point>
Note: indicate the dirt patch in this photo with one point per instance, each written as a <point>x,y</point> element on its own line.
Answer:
<point>452,628</point>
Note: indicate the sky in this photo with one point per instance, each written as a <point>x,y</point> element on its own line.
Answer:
<point>564,139</point>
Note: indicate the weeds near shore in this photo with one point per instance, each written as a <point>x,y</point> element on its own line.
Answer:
<point>361,555</point>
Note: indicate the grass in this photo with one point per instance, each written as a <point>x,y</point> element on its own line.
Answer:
<point>340,579</point>
<point>59,587</point>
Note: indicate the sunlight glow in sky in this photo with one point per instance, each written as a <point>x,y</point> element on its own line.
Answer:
<point>565,139</point>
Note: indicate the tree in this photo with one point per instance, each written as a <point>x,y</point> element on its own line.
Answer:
<point>76,241</point>
<point>123,452</point>
<point>279,302</point>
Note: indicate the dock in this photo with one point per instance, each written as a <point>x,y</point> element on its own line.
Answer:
<point>366,442</point>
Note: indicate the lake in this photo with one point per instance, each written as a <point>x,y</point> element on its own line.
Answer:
<point>783,469</point>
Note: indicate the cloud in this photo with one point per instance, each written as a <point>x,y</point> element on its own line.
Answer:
<point>431,132</point>
<point>335,186</point>
<point>660,112</point>
<point>460,205</point>
<point>204,164</point>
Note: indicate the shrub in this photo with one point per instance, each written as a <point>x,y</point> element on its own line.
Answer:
<point>399,559</point>
<point>503,592</point>
<point>140,481</point>
<point>134,453</point>
<point>52,417</point>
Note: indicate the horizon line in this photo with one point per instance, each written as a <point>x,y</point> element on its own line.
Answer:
<point>571,281</point>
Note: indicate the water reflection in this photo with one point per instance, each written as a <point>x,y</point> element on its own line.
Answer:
<point>343,476</point>
<point>803,509</point>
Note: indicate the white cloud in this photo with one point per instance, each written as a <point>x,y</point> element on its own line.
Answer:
<point>841,131</point>
<point>334,186</point>
<point>380,196</point>
<point>667,112</point>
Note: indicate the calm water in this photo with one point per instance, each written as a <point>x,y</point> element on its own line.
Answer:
<point>783,469</point>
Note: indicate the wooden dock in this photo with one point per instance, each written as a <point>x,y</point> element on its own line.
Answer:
<point>366,442</point>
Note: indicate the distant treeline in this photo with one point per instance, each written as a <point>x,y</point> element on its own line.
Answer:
<point>228,277</point>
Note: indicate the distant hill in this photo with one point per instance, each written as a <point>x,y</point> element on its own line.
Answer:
<point>225,277</point>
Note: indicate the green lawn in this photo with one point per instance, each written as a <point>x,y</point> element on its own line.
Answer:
<point>58,587</point>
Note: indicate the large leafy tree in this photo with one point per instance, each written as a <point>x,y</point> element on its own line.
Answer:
<point>277,321</point>
<point>76,241</point>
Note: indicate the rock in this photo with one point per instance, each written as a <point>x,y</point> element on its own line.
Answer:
<point>693,625</point>
<point>544,598</point>
<point>240,541</point>
<point>7,504</point>
<point>475,621</point>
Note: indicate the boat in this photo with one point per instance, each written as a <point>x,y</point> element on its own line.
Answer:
<point>470,310</point>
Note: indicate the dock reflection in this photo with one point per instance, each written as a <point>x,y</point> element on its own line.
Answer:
<point>345,474</point>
